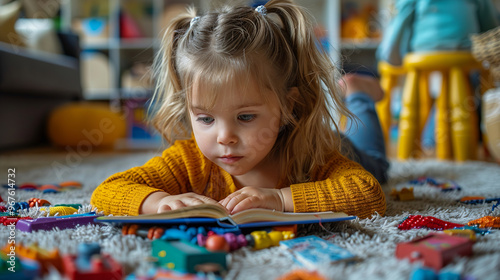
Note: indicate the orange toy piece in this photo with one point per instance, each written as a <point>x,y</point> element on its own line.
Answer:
<point>38,202</point>
<point>44,257</point>
<point>302,274</point>
<point>467,198</point>
<point>216,243</point>
<point>66,185</point>
<point>486,222</point>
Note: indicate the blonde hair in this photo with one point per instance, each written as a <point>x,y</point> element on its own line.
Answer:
<point>279,50</point>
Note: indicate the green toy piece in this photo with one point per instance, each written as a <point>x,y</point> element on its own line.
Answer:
<point>185,257</point>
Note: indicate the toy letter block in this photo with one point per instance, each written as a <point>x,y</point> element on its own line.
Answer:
<point>185,257</point>
<point>435,250</point>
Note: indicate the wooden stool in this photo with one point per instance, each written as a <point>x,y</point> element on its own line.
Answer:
<point>389,75</point>
<point>456,115</point>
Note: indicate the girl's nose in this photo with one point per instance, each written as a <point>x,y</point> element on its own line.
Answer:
<point>226,136</point>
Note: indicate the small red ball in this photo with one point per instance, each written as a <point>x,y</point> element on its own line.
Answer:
<point>217,243</point>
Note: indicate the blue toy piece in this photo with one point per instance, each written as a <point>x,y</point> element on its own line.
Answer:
<point>85,253</point>
<point>223,230</point>
<point>448,275</point>
<point>20,205</point>
<point>183,233</point>
<point>424,273</point>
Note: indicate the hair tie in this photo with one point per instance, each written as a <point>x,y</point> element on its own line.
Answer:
<point>261,10</point>
<point>194,21</point>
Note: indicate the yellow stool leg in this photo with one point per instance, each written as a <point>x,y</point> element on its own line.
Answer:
<point>442,133</point>
<point>461,127</point>
<point>425,101</point>
<point>408,123</point>
<point>486,83</point>
<point>383,107</point>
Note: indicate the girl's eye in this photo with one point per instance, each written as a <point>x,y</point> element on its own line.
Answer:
<point>246,117</point>
<point>205,120</point>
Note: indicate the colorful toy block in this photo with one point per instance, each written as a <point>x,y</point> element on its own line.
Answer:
<point>89,263</point>
<point>45,258</point>
<point>181,255</point>
<point>434,250</point>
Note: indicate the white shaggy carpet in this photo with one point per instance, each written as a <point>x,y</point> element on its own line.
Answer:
<point>373,240</point>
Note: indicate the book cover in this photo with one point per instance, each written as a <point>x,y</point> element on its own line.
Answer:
<point>212,213</point>
<point>312,251</point>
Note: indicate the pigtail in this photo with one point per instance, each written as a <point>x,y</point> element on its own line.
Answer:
<point>313,139</point>
<point>168,104</point>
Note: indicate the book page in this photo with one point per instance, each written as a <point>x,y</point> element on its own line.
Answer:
<point>266,215</point>
<point>215,211</point>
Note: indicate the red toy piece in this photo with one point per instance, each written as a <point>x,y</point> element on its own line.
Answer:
<point>9,220</point>
<point>91,264</point>
<point>435,250</point>
<point>419,221</point>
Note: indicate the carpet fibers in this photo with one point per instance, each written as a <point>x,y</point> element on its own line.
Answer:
<point>374,240</point>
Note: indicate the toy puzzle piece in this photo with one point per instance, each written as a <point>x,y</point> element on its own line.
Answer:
<point>434,250</point>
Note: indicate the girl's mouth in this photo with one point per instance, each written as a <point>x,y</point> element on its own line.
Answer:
<point>228,159</point>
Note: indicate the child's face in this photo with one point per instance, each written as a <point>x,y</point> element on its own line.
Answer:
<point>241,128</point>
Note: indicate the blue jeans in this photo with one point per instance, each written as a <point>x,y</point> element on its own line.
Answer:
<point>363,140</point>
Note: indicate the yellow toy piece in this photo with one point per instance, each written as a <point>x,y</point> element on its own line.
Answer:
<point>467,233</point>
<point>59,210</point>
<point>261,240</point>
<point>404,194</point>
<point>276,237</point>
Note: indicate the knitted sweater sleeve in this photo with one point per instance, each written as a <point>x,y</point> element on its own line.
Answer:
<point>343,186</point>
<point>124,192</point>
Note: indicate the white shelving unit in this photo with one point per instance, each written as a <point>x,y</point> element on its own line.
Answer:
<point>120,52</point>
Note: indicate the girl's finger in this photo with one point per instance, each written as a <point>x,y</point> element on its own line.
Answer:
<point>177,205</point>
<point>193,201</point>
<point>244,204</point>
<point>164,208</point>
<point>228,198</point>
<point>234,201</point>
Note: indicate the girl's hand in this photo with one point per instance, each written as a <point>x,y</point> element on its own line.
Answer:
<point>172,202</point>
<point>252,197</point>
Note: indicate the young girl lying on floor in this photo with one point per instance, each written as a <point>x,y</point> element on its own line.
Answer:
<point>253,94</point>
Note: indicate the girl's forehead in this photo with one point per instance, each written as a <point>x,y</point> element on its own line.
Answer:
<point>233,94</point>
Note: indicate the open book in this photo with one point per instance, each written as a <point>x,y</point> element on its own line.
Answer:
<point>212,213</point>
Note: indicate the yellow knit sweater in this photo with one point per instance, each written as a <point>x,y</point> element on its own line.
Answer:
<point>341,185</point>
